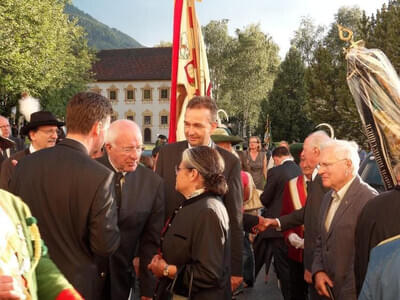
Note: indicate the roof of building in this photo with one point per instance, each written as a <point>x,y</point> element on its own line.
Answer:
<point>133,64</point>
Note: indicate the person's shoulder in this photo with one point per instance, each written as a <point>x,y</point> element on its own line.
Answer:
<point>148,174</point>
<point>173,147</point>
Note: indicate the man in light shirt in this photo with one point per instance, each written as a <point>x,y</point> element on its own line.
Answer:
<point>334,250</point>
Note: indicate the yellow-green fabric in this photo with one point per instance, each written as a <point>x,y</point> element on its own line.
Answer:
<point>45,281</point>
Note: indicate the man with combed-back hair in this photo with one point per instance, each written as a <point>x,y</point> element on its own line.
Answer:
<point>334,254</point>
<point>200,121</point>
<point>73,196</point>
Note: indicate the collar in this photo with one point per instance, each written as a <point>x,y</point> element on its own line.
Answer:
<point>31,149</point>
<point>210,144</point>
<point>315,173</point>
<point>342,192</point>
<point>287,159</point>
<point>114,168</point>
<point>197,193</point>
<point>75,144</point>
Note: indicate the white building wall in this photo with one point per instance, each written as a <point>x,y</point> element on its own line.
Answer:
<point>139,107</point>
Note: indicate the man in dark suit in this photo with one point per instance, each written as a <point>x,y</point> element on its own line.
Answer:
<point>333,263</point>
<point>270,242</point>
<point>200,121</point>
<point>141,212</point>
<point>6,132</point>
<point>72,195</point>
<point>309,214</point>
<point>42,132</point>
<point>378,221</point>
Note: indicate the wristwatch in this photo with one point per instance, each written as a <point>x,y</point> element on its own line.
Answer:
<point>165,271</point>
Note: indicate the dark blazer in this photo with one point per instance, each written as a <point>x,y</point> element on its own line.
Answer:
<point>19,146</point>
<point>7,168</point>
<point>271,198</point>
<point>141,219</point>
<point>309,216</point>
<point>170,156</point>
<point>197,242</point>
<point>72,197</point>
<point>378,221</point>
<point>335,249</point>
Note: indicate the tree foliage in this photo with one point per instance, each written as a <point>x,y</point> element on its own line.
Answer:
<point>42,52</point>
<point>243,68</point>
<point>287,99</point>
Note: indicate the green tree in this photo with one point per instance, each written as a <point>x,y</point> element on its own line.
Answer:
<point>252,67</point>
<point>287,99</point>
<point>307,38</point>
<point>216,40</point>
<point>42,52</point>
<point>329,96</point>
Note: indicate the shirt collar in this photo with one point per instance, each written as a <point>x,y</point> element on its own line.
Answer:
<point>209,144</point>
<point>315,173</point>
<point>32,149</point>
<point>287,159</point>
<point>115,169</point>
<point>342,192</point>
<point>197,192</point>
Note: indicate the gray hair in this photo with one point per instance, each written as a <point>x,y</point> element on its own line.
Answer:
<point>210,164</point>
<point>345,150</point>
<point>318,138</point>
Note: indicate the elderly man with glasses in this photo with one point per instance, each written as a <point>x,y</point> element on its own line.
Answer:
<point>334,253</point>
<point>140,199</point>
<point>42,132</point>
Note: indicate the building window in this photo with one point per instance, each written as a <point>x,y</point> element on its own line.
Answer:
<point>147,120</point>
<point>147,94</point>
<point>129,94</point>
<point>164,94</point>
<point>130,115</point>
<point>164,120</point>
<point>112,95</point>
<point>147,135</point>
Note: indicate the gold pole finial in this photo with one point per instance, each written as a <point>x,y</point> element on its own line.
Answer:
<point>345,34</point>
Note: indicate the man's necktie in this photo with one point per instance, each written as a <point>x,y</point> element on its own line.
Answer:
<point>119,177</point>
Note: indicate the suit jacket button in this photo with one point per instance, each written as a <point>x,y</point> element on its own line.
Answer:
<point>103,274</point>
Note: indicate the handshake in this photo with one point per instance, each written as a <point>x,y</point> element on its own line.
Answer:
<point>264,224</point>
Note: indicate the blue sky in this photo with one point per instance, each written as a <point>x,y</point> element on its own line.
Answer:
<point>150,21</point>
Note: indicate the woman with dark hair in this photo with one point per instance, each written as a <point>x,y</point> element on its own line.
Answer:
<point>195,246</point>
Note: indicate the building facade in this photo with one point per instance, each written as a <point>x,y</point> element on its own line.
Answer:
<point>138,83</point>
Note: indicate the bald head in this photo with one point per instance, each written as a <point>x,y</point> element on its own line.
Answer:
<point>124,145</point>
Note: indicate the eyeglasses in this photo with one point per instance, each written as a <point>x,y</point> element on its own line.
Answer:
<point>327,165</point>
<point>177,169</point>
<point>127,150</point>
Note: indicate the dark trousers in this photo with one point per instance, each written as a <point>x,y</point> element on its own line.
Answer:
<point>298,287</point>
<point>264,250</point>
<point>248,261</point>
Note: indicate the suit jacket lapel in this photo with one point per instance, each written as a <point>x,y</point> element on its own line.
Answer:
<point>345,203</point>
<point>325,212</point>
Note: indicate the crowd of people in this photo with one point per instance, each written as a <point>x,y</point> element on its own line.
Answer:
<point>197,220</point>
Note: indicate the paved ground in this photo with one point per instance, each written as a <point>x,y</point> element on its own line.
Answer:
<point>262,290</point>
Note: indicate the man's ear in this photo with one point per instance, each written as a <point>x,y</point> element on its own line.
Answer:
<point>214,125</point>
<point>96,128</point>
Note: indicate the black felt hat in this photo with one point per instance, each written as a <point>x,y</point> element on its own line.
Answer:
<point>41,118</point>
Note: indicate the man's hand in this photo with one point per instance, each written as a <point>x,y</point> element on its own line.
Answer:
<point>10,289</point>
<point>235,282</point>
<point>136,264</point>
<point>307,276</point>
<point>321,278</point>
<point>157,265</point>
<point>265,223</point>
<point>296,241</point>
